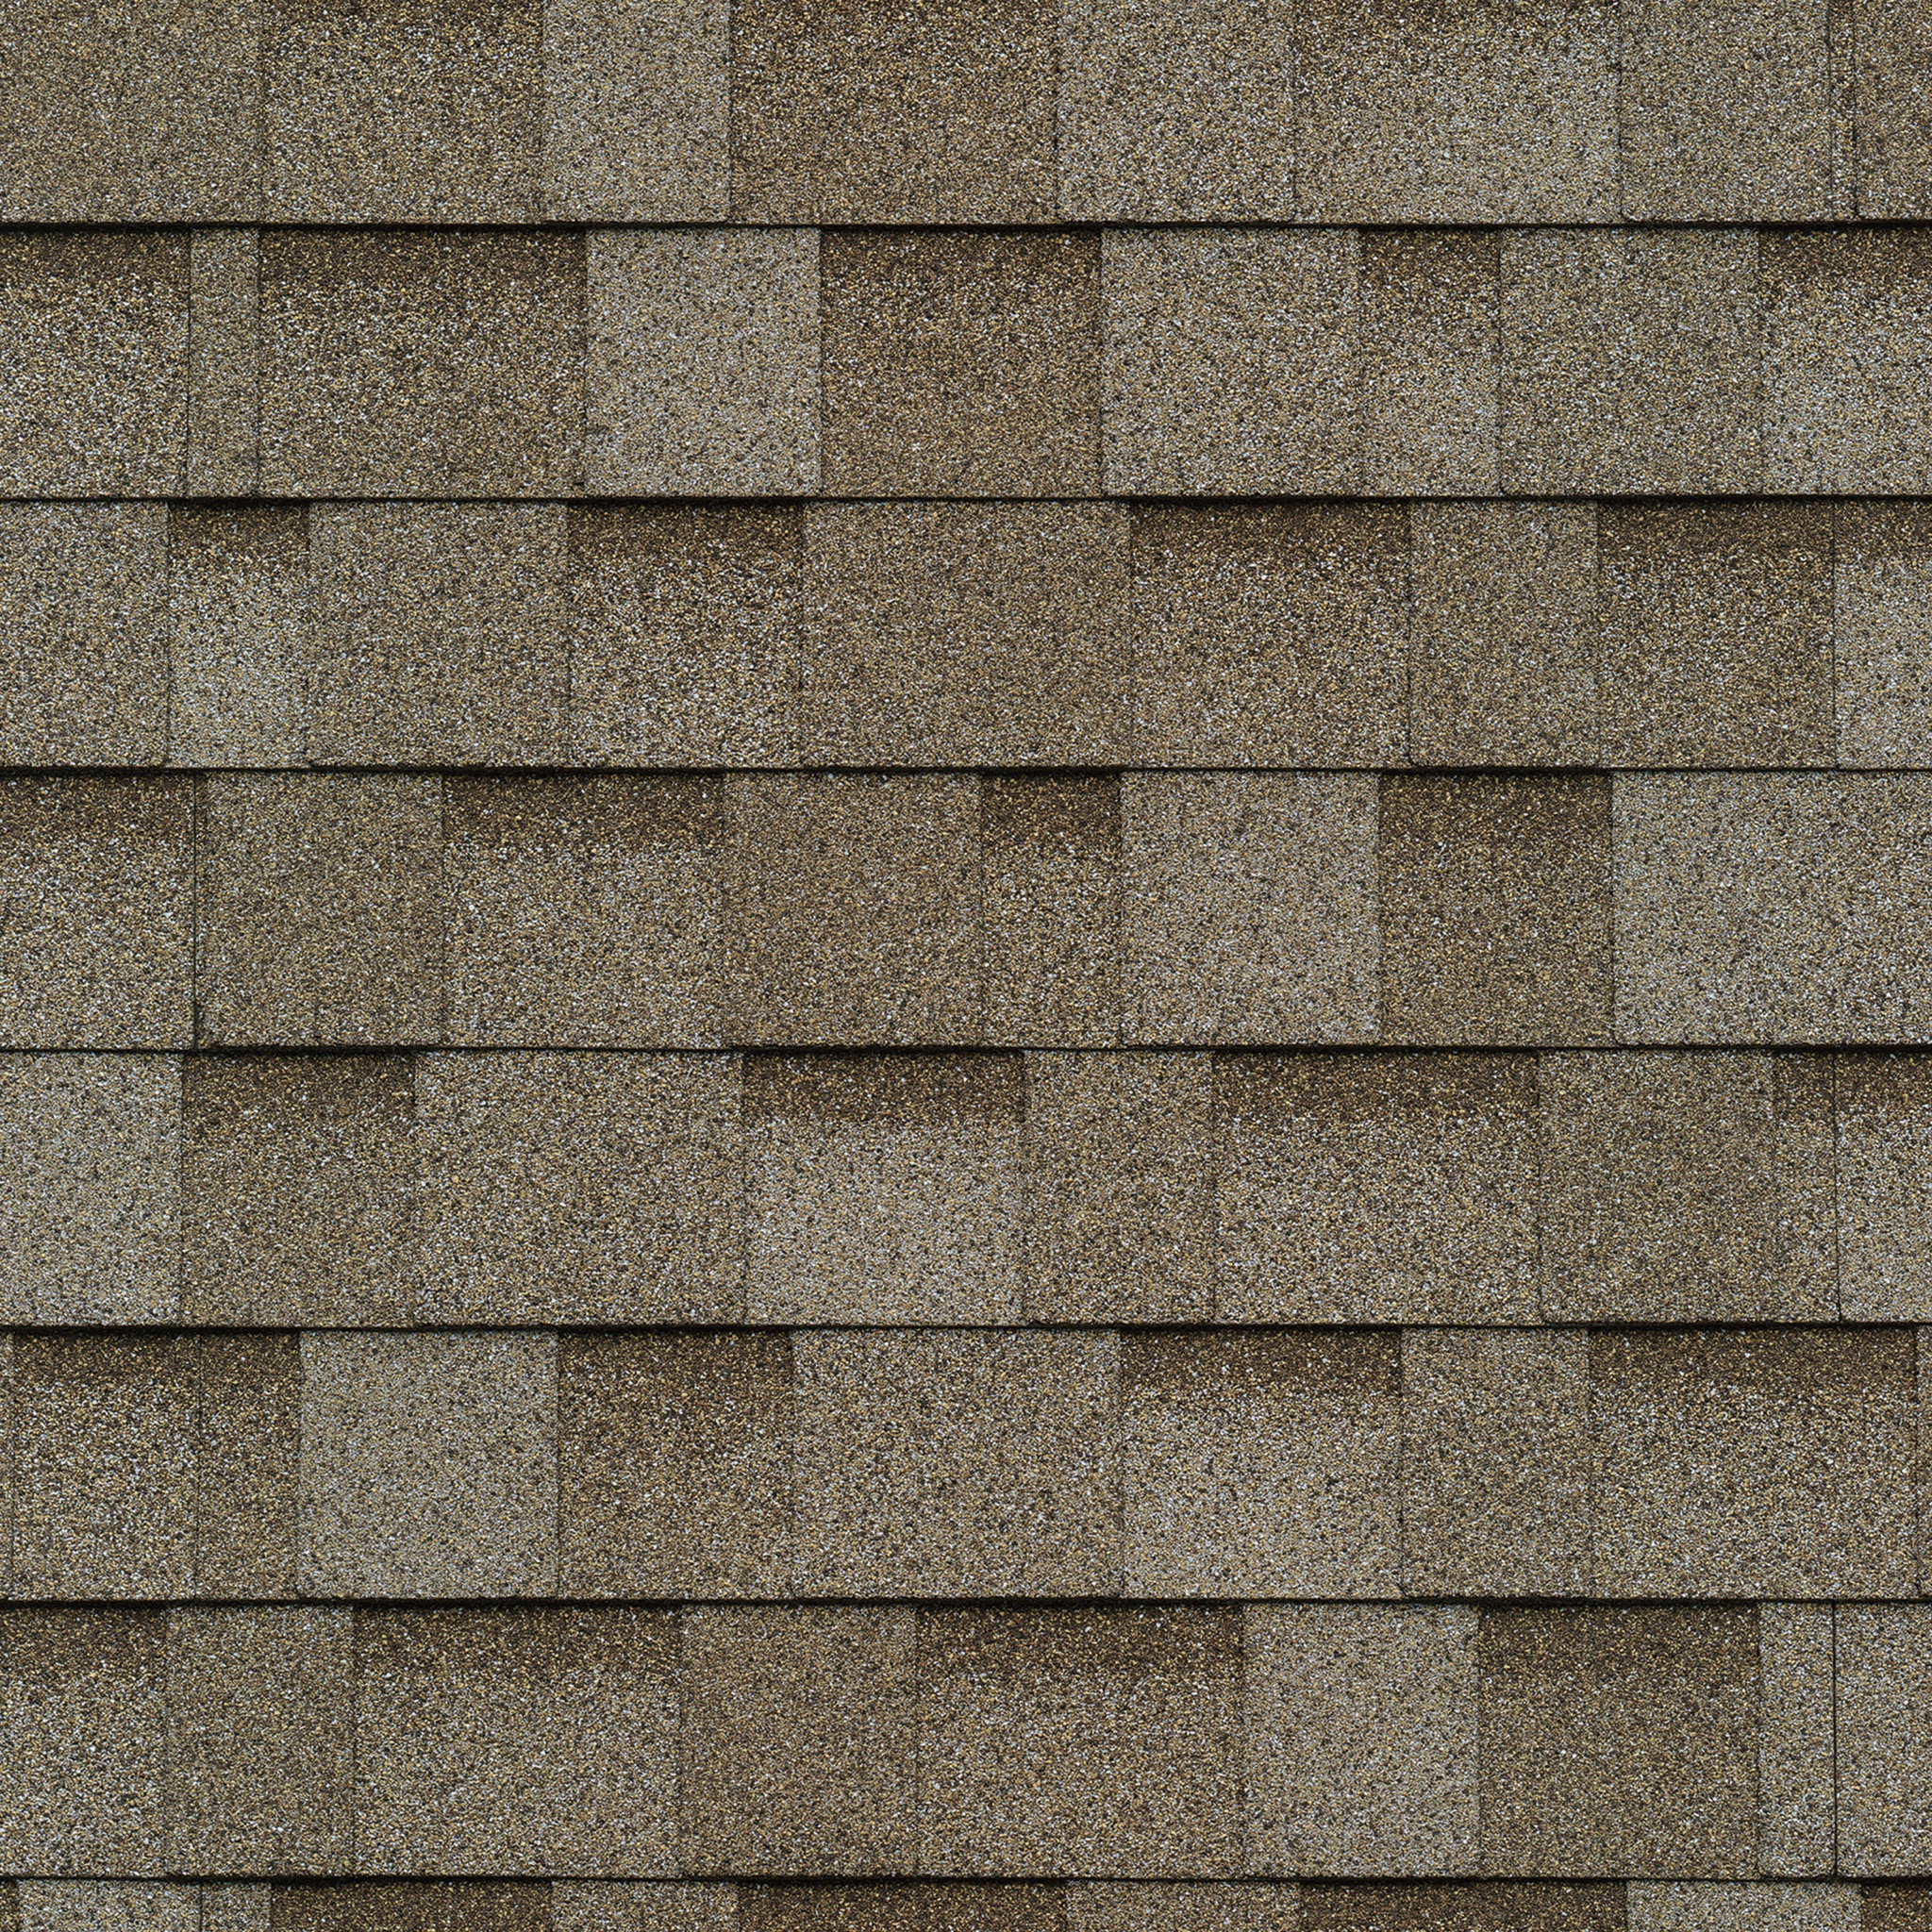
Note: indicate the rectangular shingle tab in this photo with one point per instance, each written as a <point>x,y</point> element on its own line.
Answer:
<point>512,1741</point>
<point>428,1464</point>
<point>241,617</point>
<point>1495,908</point>
<point>437,635</point>
<point>1884,1798</point>
<point>886,1189</point>
<point>320,909</point>
<point>962,363</point>
<point>799,1751</point>
<point>865,112</point>
<point>96,321</point>
<point>1377,1187</point>
<point>1361,1738</point>
<point>684,626</point>
<point>703,371</point>
<point>1260,1464</point>
<point>84,631</point>
<point>675,1465</point>
<point>97,947</point>
<point>957,634</point>
<point>457,355</point>
<point>1250,911</point>
<point>972,1464</point>
<point>1884,1176</point>
<point>579,1187</point>
<point>637,104</point>
<point>586,911</point>
<point>1267,636</point>
<point>90,1187</point>
<point>1789,908</point>
<point>1091,1740</point>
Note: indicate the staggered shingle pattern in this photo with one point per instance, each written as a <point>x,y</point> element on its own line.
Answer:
<point>966,968</point>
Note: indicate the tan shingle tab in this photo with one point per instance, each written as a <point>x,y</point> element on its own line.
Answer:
<point>1361,1738</point>
<point>428,1464</point>
<point>223,434</point>
<point>857,110</point>
<point>1717,635</point>
<point>1503,663</point>
<point>1495,908</point>
<point>903,1908</point>
<point>261,1739</point>
<point>421,363</point>
<point>299,1199</point>
<point>1620,1743</point>
<point>1249,908</point>
<point>1891,41</point>
<point>241,618</point>
<point>415,110</point>
<point>1884,1174</point>
<point>437,635</point>
<point>1269,635</point>
<point>1429,363</point>
<point>321,909</point>
<point>601,1905</point>
<point>1100,1740</point>
<point>1884,1792</point>
<point>464,1906</point>
<point>1170,115</point>
<point>703,372</point>
<point>1498,112</point>
<point>1496,1463</point>
<point>114,112</point>
<point>684,634</point>
<point>1377,1187</point>
<point>961,634</point>
<point>962,363</point>
<point>96,324</point>
<point>1769,1463</point>
<point>93,1904</point>
<point>1120,1187</point>
<point>1772,907</point>
<point>97,875</point>
<point>1125,1906</point>
<point>586,911</point>
<point>799,1741</point>
<point>1727,112</point>
<point>885,1189</point>
<point>1260,1464</point>
<point>83,1705</point>
<point>83,633</point>
<point>1050,862</point>
<point>1233,361</point>
<point>89,1187</point>
<point>153,1466</point>
<point>1686,1187</point>
<point>675,1465</point>
<point>1478,1907</point>
<point>1797,1767</point>
<point>584,1186</point>
<point>1881,591</point>
<point>1692,1908</point>
<point>637,99</point>
<point>1847,364</point>
<point>973,1463</point>
<point>513,1741</point>
<point>857,909</point>
<point>1631,361</point>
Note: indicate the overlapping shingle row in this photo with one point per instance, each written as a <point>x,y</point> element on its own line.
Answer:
<point>1364,635</point>
<point>1198,361</point>
<point>1116,1741</point>
<point>1497,1188</point>
<point>840,1463</point>
<point>1000,111</point>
